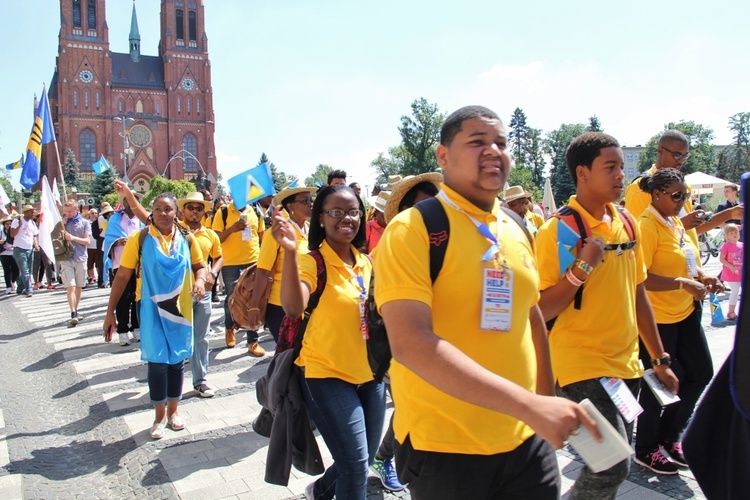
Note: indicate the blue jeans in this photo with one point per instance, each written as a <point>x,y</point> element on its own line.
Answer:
<point>350,419</point>
<point>165,382</point>
<point>201,320</point>
<point>25,260</point>
<point>230,274</point>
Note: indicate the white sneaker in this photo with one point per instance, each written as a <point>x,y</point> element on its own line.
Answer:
<point>137,335</point>
<point>124,339</point>
<point>309,491</point>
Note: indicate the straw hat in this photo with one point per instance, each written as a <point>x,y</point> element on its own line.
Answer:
<point>392,181</point>
<point>138,196</point>
<point>380,200</point>
<point>6,219</point>
<point>106,208</point>
<point>194,197</point>
<point>514,193</point>
<point>403,187</point>
<point>288,191</point>
<point>26,208</point>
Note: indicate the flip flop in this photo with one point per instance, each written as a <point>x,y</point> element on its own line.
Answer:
<point>157,431</point>
<point>176,423</point>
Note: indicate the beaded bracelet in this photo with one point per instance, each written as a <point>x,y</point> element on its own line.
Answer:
<point>572,279</point>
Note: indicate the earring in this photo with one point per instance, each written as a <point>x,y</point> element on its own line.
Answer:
<point>321,225</point>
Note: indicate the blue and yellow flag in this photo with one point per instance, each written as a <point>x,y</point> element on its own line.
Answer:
<point>41,133</point>
<point>15,164</point>
<point>100,166</point>
<point>251,185</point>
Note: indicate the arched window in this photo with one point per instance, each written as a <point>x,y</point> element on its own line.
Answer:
<point>189,144</point>
<point>139,106</point>
<point>86,99</point>
<point>187,105</point>
<point>119,106</point>
<point>179,105</point>
<point>98,101</point>
<point>197,106</point>
<point>76,13</point>
<point>91,15</point>
<point>191,25</point>
<point>88,150</point>
<point>180,22</point>
<point>75,99</point>
<point>158,108</point>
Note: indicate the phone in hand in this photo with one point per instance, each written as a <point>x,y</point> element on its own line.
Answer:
<point>109,334</point>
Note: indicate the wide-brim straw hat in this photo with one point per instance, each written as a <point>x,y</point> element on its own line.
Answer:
<point>403,187</point>
<point>288,191</point>
<point>380,201</point>
<point>194,197</point>
<point>515,192</point>
<point>106,208</point>
<point>26,208</point>
<point>6,219</point>
<point>138,196</point>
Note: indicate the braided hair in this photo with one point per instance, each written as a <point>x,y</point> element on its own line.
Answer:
<point>660,180</point>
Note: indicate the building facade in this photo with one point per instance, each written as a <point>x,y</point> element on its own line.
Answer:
<point>150,114</point>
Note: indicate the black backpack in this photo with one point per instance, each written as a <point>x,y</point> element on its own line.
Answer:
<point>438,230</point>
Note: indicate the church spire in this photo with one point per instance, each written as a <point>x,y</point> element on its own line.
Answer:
<point>135,37</point>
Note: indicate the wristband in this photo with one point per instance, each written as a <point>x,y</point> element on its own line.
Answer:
<point>572,279</point>
<point>680,283</point>
<point>253,309</point>
<point>583,266</point>
<point>200,278</point>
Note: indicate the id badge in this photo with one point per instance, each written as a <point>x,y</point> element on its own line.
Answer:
<point>497,299</point>
<point>247,234</point>
<point>363,329</point>
<point>692,263</point>
<point>622,398</point>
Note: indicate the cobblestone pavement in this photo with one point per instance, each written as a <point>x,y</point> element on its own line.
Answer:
<point>74,417</point>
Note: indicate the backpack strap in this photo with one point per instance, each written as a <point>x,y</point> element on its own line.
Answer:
<point>314,299</point>
<point>438,230</point>
<point>627,221</point>
<point>141,238</point>
<point>224,212</point>
<point>567,213</point>
<point>517,218</point>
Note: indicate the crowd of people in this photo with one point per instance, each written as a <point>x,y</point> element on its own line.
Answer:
<point>495,344</point>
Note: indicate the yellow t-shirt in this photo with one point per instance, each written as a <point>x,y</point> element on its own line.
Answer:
<point>433,420</point>
<point>601,338</point>
<point>665,256</point>
<point>208,241</point>
<point>239,252</point>
<point>272,259</point>
<point>636,201</point>
<point>129,257</point>
<point>333,346</point>
<point>535,219</point>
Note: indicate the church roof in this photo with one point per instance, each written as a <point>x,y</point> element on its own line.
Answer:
<point>147,73</point>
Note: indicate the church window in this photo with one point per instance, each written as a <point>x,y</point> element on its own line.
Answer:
<point>139,106</point>
<point>98,101</point>
<point>187,105</point>
<point>75,98</point>
<point>197,106</point>
<point>91,14</point>
<point>179,20</point>
<point>88,150</point>
<point>191,25</point>
<point>76,13</point>
<point>86,99</point>
<point>189,144</point>
<point>179,105</point>
<point>158,108</point>
<point>119,106</point>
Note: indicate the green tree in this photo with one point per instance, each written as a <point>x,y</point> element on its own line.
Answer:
<point>279,177</point>
<point>320,174</point>
<point>702,152</point>
<point>102,185</point>
<point>390,164</point>
<point>71,170</point>
<point>594,124</point>
<point>555,145</point>
<point>523,177</point>
<point>160,185</point>
<point>420,135</point>
<point>535,156</point>
<point>518,138</point>
<point>734,160</point>
<point>8,187</point>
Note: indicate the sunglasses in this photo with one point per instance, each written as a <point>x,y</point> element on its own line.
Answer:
<point>194,208</point>
<point>305,201</point>
<point>677,196</point>
<point>677,156</point>
<point>337,213</point>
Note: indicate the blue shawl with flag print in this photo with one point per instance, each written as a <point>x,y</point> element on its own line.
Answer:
<point>166,304</point>
<point>113,233</point>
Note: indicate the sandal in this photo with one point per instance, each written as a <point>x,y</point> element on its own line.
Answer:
<point>176,423</point>
<point>157,431</point>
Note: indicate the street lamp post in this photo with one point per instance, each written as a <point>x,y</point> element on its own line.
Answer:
<point>181,154</point>
<point>125,134</point>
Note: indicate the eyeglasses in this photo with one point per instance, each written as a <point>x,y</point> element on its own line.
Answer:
<point>305,201</point>
<point>337,213</point>
<point>194,208</point>
<point>677,156</point>
<point>677,196</point>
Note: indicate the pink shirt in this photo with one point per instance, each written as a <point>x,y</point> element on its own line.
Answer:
<point>733,254</point>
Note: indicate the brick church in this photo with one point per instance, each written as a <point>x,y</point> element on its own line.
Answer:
<point>158,108</point>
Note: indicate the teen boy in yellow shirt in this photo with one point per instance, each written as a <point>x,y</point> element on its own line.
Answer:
<point>599,340</point>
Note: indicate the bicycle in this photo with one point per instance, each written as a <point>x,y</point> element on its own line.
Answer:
<point>709,244</point>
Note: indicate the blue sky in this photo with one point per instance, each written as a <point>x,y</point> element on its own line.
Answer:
<point>326,82</point>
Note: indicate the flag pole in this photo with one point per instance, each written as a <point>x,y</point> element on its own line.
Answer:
<point>59,168</point>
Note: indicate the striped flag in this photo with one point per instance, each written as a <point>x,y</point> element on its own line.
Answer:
<point>41,133</point>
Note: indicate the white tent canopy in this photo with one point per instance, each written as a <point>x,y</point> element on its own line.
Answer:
<point>701,183</point>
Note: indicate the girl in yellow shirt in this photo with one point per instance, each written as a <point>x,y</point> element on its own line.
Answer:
<point>346,404</point>
<point>676,286</point>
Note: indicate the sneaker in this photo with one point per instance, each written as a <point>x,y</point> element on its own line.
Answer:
<point>8,291</point>
<point>309,491</point>
<point>80,318</point>
<point>124,339</point>
<point>204,391</point>
<point>36,286</point>
<point>656,462</point>
<point>136,335</point>
<point>675,453</point>
<point>387,474</point>
<point>50,287</point>
<point>254,349</point>
<point>72,322</point>
<point>29,293</point>
<point>229,337</point>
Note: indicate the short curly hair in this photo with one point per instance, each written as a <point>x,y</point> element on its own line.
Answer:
<point>584,149</point>
<point>452,125</point>
<point>660,180</point>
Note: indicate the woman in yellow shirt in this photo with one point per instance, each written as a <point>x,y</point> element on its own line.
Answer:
<point>346,404</point>
<point>676,286</point>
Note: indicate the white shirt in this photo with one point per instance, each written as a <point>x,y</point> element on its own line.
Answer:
<point>25,237</point>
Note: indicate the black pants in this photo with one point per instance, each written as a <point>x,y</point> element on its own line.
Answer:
<point>125,310</point>
<point>10,269</point>
<point>528,472</point>
<point>686,343</point>
<point>274,316</point>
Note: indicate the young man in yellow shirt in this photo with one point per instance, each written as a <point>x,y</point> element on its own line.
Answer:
<point>471,380</point>
<point>594,346</point>
<point>239,234</point>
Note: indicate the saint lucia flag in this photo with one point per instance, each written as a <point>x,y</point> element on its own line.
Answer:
<point>567,239</point>
<point>251,185</point>
<point>100,166</point>
<point>41,133</point>
<point>15,164</point>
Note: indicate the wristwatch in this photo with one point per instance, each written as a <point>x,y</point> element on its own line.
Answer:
<point>664,360</point>
<point>583,266</point>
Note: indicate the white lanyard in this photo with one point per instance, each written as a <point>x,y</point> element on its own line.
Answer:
<point>670,224</point>
<point>301,232</point>
<point>481,227</point>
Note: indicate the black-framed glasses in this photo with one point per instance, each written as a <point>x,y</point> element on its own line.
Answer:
<point>677,156</point>
<point>337,213</point>
<point>305,201</point>
<point>677,196</point>
<point>194,208</point>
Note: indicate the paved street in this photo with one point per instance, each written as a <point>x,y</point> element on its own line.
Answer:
<point>74,416</point>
